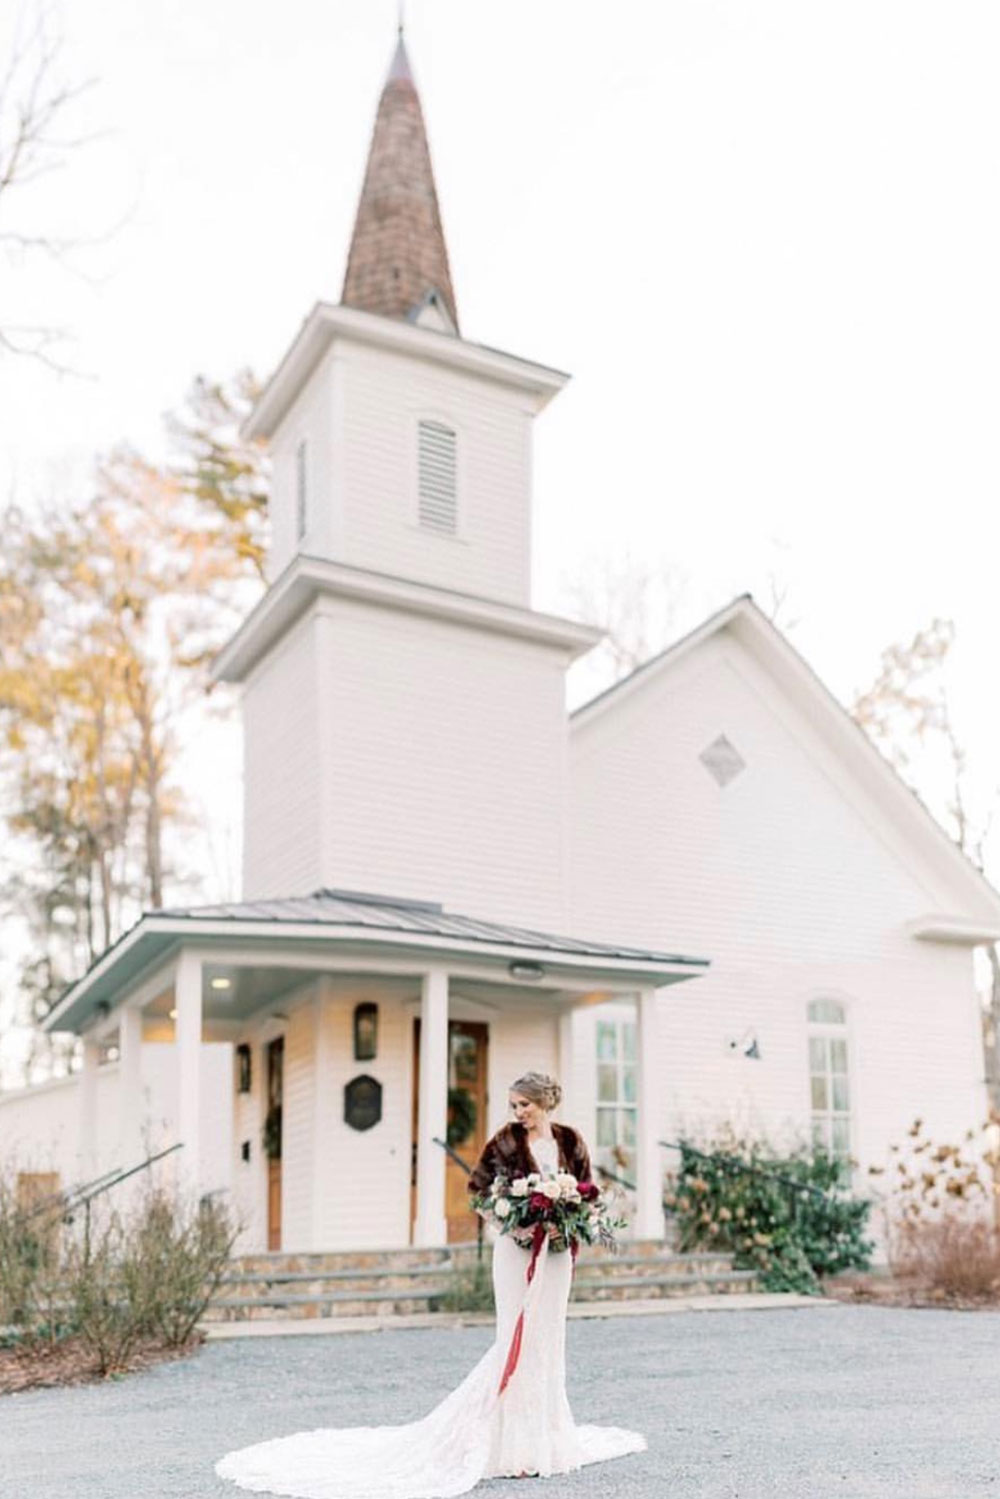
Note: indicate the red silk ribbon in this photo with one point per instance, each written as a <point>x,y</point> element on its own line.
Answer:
<point>514,1351</point>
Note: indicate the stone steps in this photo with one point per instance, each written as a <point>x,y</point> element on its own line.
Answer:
<point>388,1283</point>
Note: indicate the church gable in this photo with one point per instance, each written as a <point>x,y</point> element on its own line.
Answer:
<point>716,765</point>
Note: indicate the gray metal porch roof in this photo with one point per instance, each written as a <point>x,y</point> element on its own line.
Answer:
<point>345,917</point>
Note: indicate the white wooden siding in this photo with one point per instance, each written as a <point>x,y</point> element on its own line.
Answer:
<point>784,880</point>
<point>283,770</point>
<point>39,1126</point>
<point>444,766</point>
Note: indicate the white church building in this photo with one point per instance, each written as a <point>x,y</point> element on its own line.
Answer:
<point>702,897</point>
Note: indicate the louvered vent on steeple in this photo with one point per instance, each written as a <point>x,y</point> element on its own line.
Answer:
<point>437,476</point>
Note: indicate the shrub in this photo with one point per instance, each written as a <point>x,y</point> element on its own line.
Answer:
<point>952,1257</point>
<point>790,1237</point>
<point>100,1314</point>
<point>941,1212</point>
<point>112,1282</point>
<point>470,1290</point>
<point>174,1260</point>
<point>29,1266</point>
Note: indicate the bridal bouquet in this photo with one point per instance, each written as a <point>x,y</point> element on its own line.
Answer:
<point>570,1212</point>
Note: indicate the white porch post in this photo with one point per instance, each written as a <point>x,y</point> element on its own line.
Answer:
<point>565,1055</point>
<point>130,1084</point>
<point>87,1117</point>
<point>649,1184</point>
<point>432,1109</point>
<point>187,1031</point>
<point>323,1068</point>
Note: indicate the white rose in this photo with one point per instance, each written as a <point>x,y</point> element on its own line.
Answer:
<point>550,1189</point>
<point>501,1207</point>
<point>533,1178</point>
<point>519,1188</point>
<point>567,1184</point>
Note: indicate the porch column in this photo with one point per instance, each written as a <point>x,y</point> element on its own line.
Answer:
<point>432,1109</point>
<point>130,1085</point>
<point>87,1116</point>
<point>324,1065</point>
<point>187,1032</point>
<point>649,1181</point>
<point>566,1070</point>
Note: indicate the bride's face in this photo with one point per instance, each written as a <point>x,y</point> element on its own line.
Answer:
<point>526,1112</point>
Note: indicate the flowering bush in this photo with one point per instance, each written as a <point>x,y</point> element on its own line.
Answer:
<point>790,1236</point>
<point>530,1207</point>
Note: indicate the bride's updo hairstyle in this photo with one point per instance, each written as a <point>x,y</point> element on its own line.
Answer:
<point>540,1088</point>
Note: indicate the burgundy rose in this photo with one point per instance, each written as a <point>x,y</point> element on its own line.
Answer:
<point>539,1202</point>
<point>588,1190</point>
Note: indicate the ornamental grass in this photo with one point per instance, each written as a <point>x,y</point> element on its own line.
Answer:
<point>942,1214</point>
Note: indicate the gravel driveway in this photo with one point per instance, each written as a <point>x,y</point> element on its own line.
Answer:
<point>853,1402</point>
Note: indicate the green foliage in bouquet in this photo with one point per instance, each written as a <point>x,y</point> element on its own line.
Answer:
<point>790,1238</point>
<point>570,1212</point>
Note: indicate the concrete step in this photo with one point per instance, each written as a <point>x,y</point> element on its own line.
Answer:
<point>402,1282</point>
<point>695,1284</point>
<point>279,1260</point>
<point>315,1279</point>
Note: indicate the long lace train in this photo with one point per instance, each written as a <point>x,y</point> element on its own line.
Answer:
<point>474,1433</point>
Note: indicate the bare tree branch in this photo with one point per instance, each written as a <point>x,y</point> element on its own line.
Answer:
<point>35,102</point>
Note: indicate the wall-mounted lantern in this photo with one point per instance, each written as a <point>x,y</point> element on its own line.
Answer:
<point>243,1067</point>
<point>365,1032</point>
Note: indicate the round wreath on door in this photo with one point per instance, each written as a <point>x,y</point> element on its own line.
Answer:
<point>461,1116</point>
<point>271,1133</point>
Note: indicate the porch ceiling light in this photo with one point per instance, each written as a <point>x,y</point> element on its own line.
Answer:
<point>221,983</point>
<point>519,970</point>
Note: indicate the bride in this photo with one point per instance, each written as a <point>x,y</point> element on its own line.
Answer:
<point>510,1416</point>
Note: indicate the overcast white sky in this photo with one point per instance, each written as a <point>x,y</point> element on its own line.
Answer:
<point>763,235</point>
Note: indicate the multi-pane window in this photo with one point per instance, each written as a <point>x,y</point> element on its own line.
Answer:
<point>301,491</point>
<point>616,1096</point>
<point>437,477</point>
<point>829,1086</point>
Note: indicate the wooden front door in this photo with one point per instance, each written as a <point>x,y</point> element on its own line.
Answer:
<point>275,1087</point>
<point>468,1044</point>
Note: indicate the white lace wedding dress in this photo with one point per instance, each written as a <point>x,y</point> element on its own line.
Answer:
<point>475,1432</point>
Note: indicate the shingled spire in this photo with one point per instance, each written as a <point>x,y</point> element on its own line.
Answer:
<point>398,260</point>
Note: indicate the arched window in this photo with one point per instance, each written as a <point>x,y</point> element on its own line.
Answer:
<point>829,1082</point>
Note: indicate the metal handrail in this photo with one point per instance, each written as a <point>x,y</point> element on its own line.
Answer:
<point>72,1199</point>
<point>738,1165</point>
<point>612,1176</point>
<point>454,1155</point>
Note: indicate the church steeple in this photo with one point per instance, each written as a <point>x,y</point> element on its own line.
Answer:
<point>398,260</point>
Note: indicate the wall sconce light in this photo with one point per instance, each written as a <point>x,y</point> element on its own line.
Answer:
<point>243,1067</point>
<point>365,1032</point>
<point>520,970</point>
<point>748,1044</point>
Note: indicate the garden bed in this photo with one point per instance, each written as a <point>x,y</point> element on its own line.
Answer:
<point>879,1288</point>
<point>70,1362</point>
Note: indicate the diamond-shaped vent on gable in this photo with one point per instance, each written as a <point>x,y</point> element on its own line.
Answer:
<point>723,760</point>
